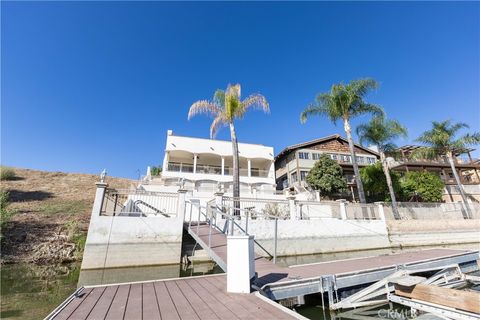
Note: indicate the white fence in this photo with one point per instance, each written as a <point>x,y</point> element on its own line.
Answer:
<point>309,210</point>
<point>432,210</point>
<point>272,207</point>
<point>139,203</point>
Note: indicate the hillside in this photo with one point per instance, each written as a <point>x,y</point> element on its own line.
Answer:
<point>50,215</point>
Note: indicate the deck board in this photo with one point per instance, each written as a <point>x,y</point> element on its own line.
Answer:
<point>101,308</point>
<point>134,302</point>
<point>165,303</point>
<point>88,304</point>
<point>119,303</point>
<point>73,305</point>
<point>150,309</point>
<point>183,306</point>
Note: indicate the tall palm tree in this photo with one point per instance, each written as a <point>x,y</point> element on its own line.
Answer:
<point>343,102</point>
<point>225,107</point>
<point>381,132</point>
<point>440,141</point>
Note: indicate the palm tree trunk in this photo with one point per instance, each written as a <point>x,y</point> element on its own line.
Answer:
<point>468,214</point>
<point>386,171</point>
<point>236,171</point>
<point>361,193</point>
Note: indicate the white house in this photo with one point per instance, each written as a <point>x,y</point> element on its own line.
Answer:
<point>206,165</point>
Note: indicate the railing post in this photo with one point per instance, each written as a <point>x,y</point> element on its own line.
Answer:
<point>292,207</point>
<point>99,196</point>
<point>275,242</point>
<point>241,263</point>
<point>343,208</point>
<point>218,204</point>
<point>381,210</point>
<point>181,206</point>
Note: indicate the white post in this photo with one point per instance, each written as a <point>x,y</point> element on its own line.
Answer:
<point>381,210</point>
<point>343,208</point>
<point>292,207</point>
<point>218,205</point>
<point>249,166</point>
<point>223,166</point>
<point>241,263</point>
<point>181,206</point>
<point>98,202</point>
<point>165,161</point>
<point>194,163</point>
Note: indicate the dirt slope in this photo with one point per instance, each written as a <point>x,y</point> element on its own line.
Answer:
<point>51,215</point>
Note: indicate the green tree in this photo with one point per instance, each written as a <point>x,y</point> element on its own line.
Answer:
<point>422,186</point>
<point>375,182</point>
<point>343,102</point>
<point>441,141</point>
<point>156,171</point>
<point>326,176</point>
<point>226,107</point>
<point>381,133</point>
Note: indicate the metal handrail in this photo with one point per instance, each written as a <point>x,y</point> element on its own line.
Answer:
<point>211,219</point>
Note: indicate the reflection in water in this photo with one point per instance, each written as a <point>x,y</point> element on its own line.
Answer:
<point>121,275</point>
<point>32,292</point>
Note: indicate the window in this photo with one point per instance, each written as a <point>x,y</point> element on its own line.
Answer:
<point>333,156</point>
<point>371,160</point>
<point>304,155</point>
<point>294,177</point>
<point>346,159</point>
<point>360,160</point>
<point>316,156</point>
<point>303,175</point>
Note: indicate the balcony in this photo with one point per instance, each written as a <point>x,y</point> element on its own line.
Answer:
<point>214,170</point>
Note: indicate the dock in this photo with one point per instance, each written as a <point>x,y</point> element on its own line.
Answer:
<point>196,298</point>
<point>277,282</point>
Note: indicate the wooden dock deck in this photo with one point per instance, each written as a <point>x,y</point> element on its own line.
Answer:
<point>195,298</point>
<point>277,281</point>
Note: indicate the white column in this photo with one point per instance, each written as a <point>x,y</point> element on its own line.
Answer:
<point>165,161</point>
<point>292,207</point>
<point>195,163</point>
<point>98,202</point>
<point>343,209</point>
<point>181,206</point>
<point>249,167</point>
<point>381,211</point>
<point>223,166</point>
<point>241,263</point>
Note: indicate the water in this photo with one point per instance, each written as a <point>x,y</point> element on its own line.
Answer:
<point>32,292</point>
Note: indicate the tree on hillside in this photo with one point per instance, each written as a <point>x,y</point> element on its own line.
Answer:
<point>381,133</point>
<point>343,102</point>
<point>421,186</point>
<point>226,107</point>
<point>441,141</point>
<point>326,176</point>
<point>375,182</point>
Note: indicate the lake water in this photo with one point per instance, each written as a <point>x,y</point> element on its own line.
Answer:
<point>32,292</point>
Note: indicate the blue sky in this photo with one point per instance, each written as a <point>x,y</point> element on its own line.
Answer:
<point>93,85</point>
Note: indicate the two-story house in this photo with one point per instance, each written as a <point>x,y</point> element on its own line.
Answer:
<point>293,163</point>
<point>204,165</point>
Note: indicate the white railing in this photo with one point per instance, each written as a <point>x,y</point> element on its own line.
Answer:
<point>433,210</point>
<point>272,207</point>
<point>308,210</point>
<point>362,211</point>
<point>135,203</point>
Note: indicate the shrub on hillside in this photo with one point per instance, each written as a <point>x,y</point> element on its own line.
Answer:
<point>5,212</point>
<point>422,186</point>
<point>6,173</point>
<point>375,183</point>
<point>326,176</point>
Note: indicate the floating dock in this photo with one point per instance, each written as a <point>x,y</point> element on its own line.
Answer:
<point>278,282</point>
<point>206,297</point>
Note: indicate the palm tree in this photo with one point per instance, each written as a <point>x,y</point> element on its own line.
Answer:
<point>380,132</point>
<point>440,141</point>
<point>343,102</point>
<point>225,107</point>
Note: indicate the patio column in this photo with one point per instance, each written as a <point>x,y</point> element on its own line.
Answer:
<point>223,166</point>
<point>195,163</point>
<point>165,161</point>
<point>249,167</point>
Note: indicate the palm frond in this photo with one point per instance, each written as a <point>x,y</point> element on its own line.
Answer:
<point>364,108</point>
<point>203,106</point>
<point>470,139</point>
<point>312,110</point>
<point>425,153</point>
<point>219,98</point>
<point>361,87</point>
<point>256,101</point>
<point>218,122</point>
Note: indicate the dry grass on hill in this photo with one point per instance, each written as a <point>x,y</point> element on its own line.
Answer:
<point>51,212</point>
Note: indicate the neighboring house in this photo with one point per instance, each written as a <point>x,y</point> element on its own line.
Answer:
<point>468,170</point>
<point>205,165</point>
<point>293,163</point>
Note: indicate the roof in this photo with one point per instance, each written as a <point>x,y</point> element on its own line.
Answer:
<point>320,140</point>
